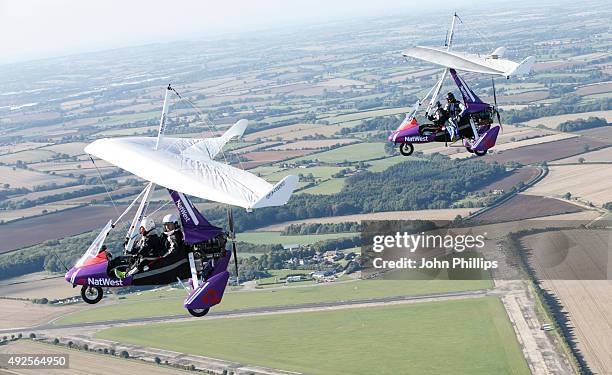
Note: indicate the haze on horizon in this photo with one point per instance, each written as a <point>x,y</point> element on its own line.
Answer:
<point>36,29</point>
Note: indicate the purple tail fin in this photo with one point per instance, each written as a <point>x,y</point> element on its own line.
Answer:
<point>195,227</point>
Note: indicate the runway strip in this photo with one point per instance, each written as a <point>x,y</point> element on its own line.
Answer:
<point>319,306</point>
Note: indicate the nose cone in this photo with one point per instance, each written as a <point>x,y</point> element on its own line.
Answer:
<point>68,275</point>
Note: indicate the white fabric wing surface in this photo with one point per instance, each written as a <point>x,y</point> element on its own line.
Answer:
<point>187,165</point>
<point>471,62</point>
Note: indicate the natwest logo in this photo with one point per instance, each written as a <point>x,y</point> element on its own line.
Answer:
<point>416,138</point>
<point>104,281</point>
<point>183,211</point>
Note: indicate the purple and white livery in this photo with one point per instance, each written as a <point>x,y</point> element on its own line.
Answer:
<point>183,166</point>
<point>474,126</point>
<point>204,247</point>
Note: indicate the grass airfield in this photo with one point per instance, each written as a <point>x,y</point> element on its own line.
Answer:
<point>165,302</point>
<point>472,336</point>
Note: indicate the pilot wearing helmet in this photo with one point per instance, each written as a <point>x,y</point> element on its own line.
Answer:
<point>149,243</point>
<point>147,248</point>
<point>440,116</point>
<point>172,238</point>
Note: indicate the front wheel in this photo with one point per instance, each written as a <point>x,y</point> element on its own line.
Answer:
<point>406,149</point>
<point>199,312</point>
<point>91,294</point>
<point>469,149</point>
<point>480,153</point>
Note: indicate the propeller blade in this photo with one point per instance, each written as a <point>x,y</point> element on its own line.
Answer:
<point>495,101</point>
<point>230,219</point>
<point>235,259</point>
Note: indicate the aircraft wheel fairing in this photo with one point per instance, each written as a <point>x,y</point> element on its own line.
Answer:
<point>92,294</point>
<point>406,149</point>
<point>199,312</point>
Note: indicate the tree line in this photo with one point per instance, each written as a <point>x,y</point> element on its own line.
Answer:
<point>582,124</point>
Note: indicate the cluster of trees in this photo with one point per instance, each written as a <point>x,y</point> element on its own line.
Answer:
<point>336,244</point>
<point>418,184</point>
<point>275,257</point>
<point>319,228</point>
<point>582,124</point>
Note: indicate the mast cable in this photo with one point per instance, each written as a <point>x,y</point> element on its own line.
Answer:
<point>104,184</point>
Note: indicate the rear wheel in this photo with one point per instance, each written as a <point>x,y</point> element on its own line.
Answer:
<point>91,294</point>
<point>406,149</point>
<point>199,312</point>
<point>480,153</point>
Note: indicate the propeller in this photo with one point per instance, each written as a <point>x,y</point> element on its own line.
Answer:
<point>495,101</point>
<point>232,233</point>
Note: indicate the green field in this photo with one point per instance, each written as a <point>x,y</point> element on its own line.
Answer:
<point>170,302</point>
<point>471,336</point>
<point>331,186</point>
<point>317,172</point>
<point>336,119</point>
<point>271,238</point>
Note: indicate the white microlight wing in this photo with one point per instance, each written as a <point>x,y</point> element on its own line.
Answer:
<point>187,166</point>
<point>489,64</point>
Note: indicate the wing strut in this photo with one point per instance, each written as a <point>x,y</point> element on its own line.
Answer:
<point>142,210</point>
<point>449,44</point>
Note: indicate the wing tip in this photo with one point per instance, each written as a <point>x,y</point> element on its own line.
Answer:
<point>279,194</point>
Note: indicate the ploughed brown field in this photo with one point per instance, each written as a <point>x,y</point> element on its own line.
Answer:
<point>603,133</point>
<point>522,207</point>
<point>547,151</point>
<point>32,231</point>
<point>565,261</point>
<point>514,179</point>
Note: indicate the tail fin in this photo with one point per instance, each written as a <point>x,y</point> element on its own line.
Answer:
<point>279,194</point>
<point>498,53</point>
<point>524,67</point>
<point>236,131</point>
<point>212,146</point>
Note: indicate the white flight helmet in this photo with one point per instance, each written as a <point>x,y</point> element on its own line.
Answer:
<point>147,224</point>
<point>170,218</point>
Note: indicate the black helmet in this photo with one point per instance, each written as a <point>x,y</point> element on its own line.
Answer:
<point>450,96</point>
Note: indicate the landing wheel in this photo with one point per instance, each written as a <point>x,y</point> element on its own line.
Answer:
<point>199,312</point>
<point>91,294</point>
<point>480,153</point>
<point>469,149</point>
<point>406,149</point>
